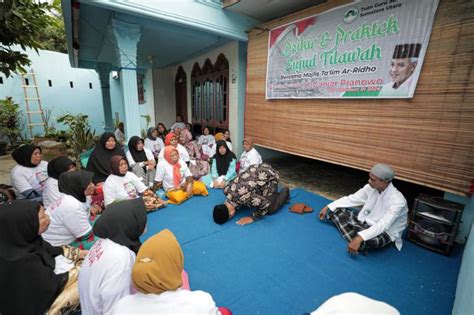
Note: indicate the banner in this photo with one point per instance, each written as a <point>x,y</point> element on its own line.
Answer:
<point>366,49</point>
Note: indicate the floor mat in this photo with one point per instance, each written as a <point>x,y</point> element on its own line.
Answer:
<point>289,263</point>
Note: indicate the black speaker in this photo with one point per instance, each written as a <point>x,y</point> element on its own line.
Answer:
<point>434,223</point>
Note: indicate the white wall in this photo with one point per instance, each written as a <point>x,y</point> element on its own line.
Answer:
<point>165,105</point>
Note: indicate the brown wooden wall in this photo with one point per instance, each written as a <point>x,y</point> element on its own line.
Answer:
<point>428,139</point>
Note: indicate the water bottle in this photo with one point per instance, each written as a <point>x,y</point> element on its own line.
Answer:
<point>161,194</point>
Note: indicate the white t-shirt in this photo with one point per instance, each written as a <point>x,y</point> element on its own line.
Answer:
<point>248,159</point>
<point>119,135</point>
<point>207,144</point>
<point>51,192</point>
<point>354,303</point>
<point>122,187</point>
<point>183,154</point>
<point>148,153</point>
<point>181,301</point>
<point>105,277</point>
<point>164,173</point>
<point>69,220</point>
<point>26,178</point>
<point>155,146</point>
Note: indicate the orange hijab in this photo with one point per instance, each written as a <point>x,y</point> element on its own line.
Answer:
<point>159,264</point>
<point>168,138</point>
<point>176,167</point>
<point>219,136</point>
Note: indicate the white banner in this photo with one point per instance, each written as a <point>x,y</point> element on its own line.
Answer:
<point>366,49</point>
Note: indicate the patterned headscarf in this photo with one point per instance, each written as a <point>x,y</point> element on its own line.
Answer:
<point>159,264</point>
<point>176,166</point>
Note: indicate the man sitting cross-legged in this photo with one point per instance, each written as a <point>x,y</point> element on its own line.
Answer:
<point>383,216</point>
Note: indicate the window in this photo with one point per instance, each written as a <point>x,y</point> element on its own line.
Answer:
<point>1,80</point>
<point>50,83</point>
<point>71,84</point>
<point>209,94</point>
<point>90,85</point>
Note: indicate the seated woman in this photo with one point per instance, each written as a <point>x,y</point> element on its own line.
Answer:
<point>56,167</point>
<point>172,140</point>
<point>153,142</point>
<point>223,167</point>
<point>207,142</point>
<point>70,223</point>
<point>162,131</point>
<point>191,130</point>
<point>176,178</point>
<point>178,124</point>
<point>29,176</point>
<point>250,156</point>
<point>34,276</point>
<point>197,166</point>
<point>227,139</point>
<point>141,160</point>
<point>105,275</point>
<point>156,275</point>
<point>99,160</point>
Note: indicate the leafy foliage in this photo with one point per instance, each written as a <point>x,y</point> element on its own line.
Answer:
<point>23,23</point>
<point>82,138</point>
<point>10,121</point>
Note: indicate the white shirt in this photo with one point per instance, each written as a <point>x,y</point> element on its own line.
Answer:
<point>69,220</point>
<point>181,301</point>
<point>26,178</point>
<point>148,153</point>
<point>122,187</point>
<point>164,173</point>
<point>352,304</point>
<point>51,192</point>
<point>183,154</point>
<point>249,158</point>
<point>402,90</point>
<point>119,135</point>
<point>384,212</point>
<point>207,143</point>
<point>105,277</point>
<point>155,146</point>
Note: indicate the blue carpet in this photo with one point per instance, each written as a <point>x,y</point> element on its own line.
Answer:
<point>290,264</point>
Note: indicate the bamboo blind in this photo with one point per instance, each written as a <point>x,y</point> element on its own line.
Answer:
<point>428,139</point>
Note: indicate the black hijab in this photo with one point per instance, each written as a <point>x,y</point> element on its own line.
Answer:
<point>58,166</point>
<point>28,284</point>
<point>223,161</point>
<point>99,160</point>
<point>74,183</point>
<point>138,156</point>
<point>23,154</point>
<point>149,133</point>
<point>123,222</point>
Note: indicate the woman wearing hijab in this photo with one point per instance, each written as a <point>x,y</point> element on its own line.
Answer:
<point>207,142</point>
<point>154,143</point>
<point>197,165</point>
<point>141,160</point>
<point>56,167</point>
<point>30,175</point>
<point>172,140</point>
<point>176,179</point>
<point>31,277</point>
<point>105,275</point>
<point>162,131</point>
<point>223,167</point>
<point>250,156</point>
<point>156,275</point>
<point>70,223</point>
<point>99,160</point>
<point>121,184</point>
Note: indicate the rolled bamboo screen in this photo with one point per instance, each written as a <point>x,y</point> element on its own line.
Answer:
<point>428,139</point>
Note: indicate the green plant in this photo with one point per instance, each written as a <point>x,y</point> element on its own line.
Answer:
<point>11,119</point>
<point>82,138</point>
